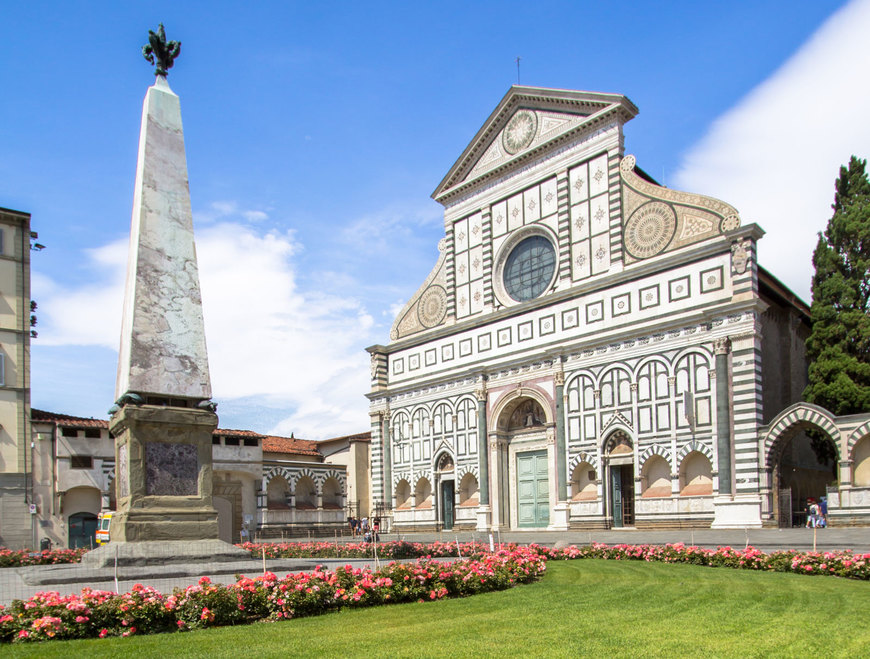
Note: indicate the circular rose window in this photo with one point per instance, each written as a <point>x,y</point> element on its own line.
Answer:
<point>529,268</point>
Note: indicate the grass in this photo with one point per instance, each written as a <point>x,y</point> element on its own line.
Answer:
<point>588,607</point>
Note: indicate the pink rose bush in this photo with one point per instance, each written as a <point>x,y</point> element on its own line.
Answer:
<point>144,610</point>
<point>21,557</point>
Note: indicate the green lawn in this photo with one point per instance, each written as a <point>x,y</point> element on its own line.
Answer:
<point>585,607</point>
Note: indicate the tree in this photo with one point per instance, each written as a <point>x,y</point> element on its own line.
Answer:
<point>838,347</point>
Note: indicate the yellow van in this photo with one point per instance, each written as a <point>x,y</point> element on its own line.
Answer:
<point>104,520</point>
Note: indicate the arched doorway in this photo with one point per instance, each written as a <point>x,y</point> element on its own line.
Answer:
<point>522,463</point>
<point>619,456</point>
<point>802,458</point>
<point>82,530</point>
<point>447,484</point>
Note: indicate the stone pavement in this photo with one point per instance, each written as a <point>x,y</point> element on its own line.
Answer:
<point>21,583</point>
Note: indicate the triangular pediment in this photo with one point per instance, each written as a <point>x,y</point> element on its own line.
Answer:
<point>528,122</point>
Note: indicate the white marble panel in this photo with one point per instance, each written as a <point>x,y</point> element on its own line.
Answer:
<point>599,213</point>
<point>463,301</point>
<point>598,175</point>
<point>499,218</point>
<point>462,268</point>
<point>579,221</point>
<point>578,183</point>
<point>460,235</point>
<point>476,296</point>
<point>581,266</point>
<point>475,262</point>
<point>549,201</point>
<point>515,212</point>
<point>475,230</point>
<point>532,204</point>
<point>600,253</point>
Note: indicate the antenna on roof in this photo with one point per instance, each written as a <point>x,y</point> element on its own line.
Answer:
<point>518,68</point>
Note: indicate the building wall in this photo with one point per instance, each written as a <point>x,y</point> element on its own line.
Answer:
<point>622,341</point>
<point>16,526</point>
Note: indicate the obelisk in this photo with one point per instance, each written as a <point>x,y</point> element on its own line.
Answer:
<point>163,417</point>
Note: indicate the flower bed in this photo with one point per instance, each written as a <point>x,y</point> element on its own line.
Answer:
<point>839,563</point>
<point>387,550</point>
<point>144,610</point>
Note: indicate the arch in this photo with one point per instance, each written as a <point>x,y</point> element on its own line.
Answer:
<point>444,462</point>
<point>506,405</point>
<point>857,435</point>
<point>696,475</point>
<point>469,491</point>
<point>617,436</point>
<point>306,493</point>
<point>861,463</point>
<point>402,488</point>
<point>797,417</point>
<point>277,493</point>
<point>584,485</point>
<point>274,472</point>
<point>618,377</point>
<point>423,493</point>
<point>583,456</point>
<point>332,493</point>
<point>695,446</point>
<point>654,449</point>
<point>655,477</point>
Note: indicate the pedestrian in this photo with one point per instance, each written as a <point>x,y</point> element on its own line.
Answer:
<point>812,513</point>
<point>823,512</point>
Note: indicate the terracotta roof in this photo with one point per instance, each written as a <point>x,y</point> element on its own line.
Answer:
<point>274,444</point>
<point>271,443</point>
<point>67,420</point>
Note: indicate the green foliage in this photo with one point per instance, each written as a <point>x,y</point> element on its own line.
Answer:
<point>838,347</point>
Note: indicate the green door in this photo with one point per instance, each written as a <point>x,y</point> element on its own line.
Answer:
<point>533,492</point>
<point>447,502</point>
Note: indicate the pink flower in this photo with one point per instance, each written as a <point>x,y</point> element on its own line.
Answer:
<point>104,632</point>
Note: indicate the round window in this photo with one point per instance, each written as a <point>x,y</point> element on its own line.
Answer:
<point>529,269</point>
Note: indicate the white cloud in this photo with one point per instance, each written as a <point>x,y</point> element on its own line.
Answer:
<point>775,155</point>
<point>298,349</point>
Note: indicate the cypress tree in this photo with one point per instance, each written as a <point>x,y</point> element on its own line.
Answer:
<point>838,347</point>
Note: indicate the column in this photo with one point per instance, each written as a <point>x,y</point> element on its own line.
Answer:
<point>721,349</point>
<point>482,450</point>
<point>388,461</point>
<point>561,453</point>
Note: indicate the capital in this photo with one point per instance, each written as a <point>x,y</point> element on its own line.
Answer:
<point>722,346</point>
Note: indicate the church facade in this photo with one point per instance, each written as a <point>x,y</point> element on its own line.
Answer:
<point>592,349</point>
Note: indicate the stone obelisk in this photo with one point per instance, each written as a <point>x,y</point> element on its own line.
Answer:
<point>163,417</point>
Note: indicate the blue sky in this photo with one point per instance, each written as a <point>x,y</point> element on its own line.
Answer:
<point>315,133</point>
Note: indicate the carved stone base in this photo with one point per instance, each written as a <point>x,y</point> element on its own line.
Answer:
<point>561,513</point>
<point>484,519</point>
<point>160,553</point>
<point>737,512</point>
<point>164,475</point>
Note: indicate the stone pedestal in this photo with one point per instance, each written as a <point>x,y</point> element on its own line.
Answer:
<point>737,512</point>
<point>484,519</point>
<point>560,517</point>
